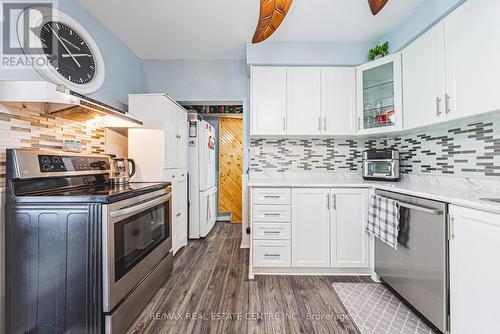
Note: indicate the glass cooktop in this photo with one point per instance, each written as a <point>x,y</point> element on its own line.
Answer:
<point>103,190</point>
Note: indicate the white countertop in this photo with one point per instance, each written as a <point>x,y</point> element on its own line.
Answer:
<point>457,195</point>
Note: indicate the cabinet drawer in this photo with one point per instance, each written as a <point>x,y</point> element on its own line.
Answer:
<point>175,175</point>
<point>267,231</point>
<point>271,253</point>
<point>271,213</point>
<point>271,196</point>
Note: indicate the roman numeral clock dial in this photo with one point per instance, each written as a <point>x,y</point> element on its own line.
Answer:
<point>74,60</point>
<point>68,52</point>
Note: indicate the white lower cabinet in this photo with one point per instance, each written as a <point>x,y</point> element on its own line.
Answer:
<point>271,253</point>
<point>271,213</point>
<point>321,228</point>
<point>474,271</point>
<point>350,241</point>
<point>178,178</point>
<point>272,231</point>
<point>310,227</point>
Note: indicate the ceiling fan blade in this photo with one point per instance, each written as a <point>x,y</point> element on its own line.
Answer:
<point>272,13</point>
<point>377,5</point>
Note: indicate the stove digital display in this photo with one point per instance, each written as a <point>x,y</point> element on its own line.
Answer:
<point>57,163</point>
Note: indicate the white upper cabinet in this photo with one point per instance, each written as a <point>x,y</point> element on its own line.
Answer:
<point>304,101</point>
<point>171,136</point>
<point>182,123</point>
<point>307,101</point>
<point>379,95</point>
<point>338,100</point>
<point>176,128</point>
<point>472,47</point>
<point>310,227</point>
<point>424,80</point>
<point>158,111</point>
<point>350,241</point>
<point>268,100</point>
<point>474,271</point>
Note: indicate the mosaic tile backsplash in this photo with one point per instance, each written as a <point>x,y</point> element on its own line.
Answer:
<point>471,149</point>
<point>31,128</point>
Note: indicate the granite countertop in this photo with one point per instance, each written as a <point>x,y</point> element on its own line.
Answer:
<point>460,195</point>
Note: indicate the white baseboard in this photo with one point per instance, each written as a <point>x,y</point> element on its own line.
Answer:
<point>314,271</point>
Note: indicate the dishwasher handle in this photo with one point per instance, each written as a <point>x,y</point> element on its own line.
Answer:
<point>430,211</point>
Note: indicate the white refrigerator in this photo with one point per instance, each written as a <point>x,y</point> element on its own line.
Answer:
<point>201,170</point>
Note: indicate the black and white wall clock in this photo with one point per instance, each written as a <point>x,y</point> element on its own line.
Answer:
<point>74,60</point>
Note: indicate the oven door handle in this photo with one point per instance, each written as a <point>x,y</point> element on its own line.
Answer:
<point>140,207</point>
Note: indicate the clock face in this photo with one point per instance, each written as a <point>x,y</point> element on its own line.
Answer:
<point>68,52</point>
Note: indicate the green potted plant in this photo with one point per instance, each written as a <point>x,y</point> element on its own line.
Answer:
<point>379,51</point>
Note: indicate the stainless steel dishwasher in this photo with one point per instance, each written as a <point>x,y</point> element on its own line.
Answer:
<point>418,269</point>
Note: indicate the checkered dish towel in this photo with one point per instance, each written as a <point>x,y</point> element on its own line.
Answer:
<point>383,219</point>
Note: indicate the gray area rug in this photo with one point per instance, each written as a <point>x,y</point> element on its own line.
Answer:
<point>376,310</point>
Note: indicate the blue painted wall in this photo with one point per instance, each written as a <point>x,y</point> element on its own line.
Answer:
<point>423,18</point>
<point>302,53</point>
<point>198,80</point>
<point>124,74</point>
<point>202,80</point>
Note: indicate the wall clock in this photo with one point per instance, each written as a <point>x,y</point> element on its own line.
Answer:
<point>74,58</point>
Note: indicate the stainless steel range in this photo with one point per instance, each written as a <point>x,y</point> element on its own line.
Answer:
<point>81,254</point>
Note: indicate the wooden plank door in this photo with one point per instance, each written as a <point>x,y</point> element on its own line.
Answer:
<point>230,166</point>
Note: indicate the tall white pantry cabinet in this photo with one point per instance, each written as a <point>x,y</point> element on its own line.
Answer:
<point>160,151</point>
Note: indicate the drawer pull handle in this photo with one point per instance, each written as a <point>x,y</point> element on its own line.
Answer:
<point>272,255</point>
<point>272,232</point>
<point>178,215</point>
<point>272,214</point>
<point>272,196</point>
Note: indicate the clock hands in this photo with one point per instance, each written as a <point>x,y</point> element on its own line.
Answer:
<point>76,55</point>
<point>65,47</point>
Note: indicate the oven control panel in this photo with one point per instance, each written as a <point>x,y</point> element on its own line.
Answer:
<point>59,163</point>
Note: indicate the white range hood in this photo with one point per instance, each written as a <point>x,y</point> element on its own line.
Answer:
<point>61,102</point>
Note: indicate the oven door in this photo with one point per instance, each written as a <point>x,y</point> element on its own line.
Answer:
<point>136,236</point>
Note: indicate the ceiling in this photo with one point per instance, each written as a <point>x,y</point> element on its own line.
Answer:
<point>220,29</point>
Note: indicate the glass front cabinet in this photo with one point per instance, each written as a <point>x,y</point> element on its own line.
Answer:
<point>379,95</point>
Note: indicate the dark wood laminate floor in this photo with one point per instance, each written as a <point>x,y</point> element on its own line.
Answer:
<point>209,292</point>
